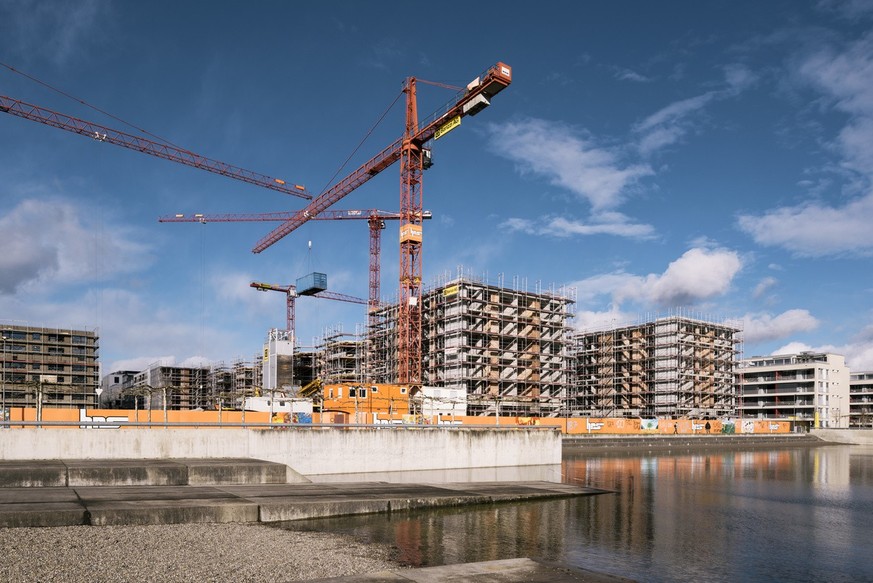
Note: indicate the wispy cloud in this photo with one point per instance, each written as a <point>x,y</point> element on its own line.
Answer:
<point>569,159</point>
<point>628,75</point>
<point>611,223</point>
<point>673,122</point>
<point>55,30</point>
<point>848,8</point>
<point>55,240</point>
<point>814,228</point>
<point>764,286</point>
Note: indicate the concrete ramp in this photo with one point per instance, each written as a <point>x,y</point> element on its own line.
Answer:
<point>128,492</point>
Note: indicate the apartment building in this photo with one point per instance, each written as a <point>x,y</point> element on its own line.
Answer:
<point>809,388</point>
<point>861,399</point>
<point>57,365</point>
<point>673,366</point>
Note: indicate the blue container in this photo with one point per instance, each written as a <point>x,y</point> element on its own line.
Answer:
<point>311,284</point>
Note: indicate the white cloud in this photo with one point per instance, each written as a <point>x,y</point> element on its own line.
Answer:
<point>858,354</point>
<point>53,240</point>
<point>764,286</point>
<point>848,8</point>
<point>570,160</point>
<point>671,123</point>
<point>588,321</point>
<point>57,30</point>
<point>675,112</point>
<point>765,327</point>
<point>140,363</point>
<point>611,223</point>
<point>844,76</point>
<point>697,275</point>
<point>793,348</point>
<point>629,75</point>
<point>815,230</point>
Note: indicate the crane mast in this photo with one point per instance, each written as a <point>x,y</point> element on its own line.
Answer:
<point>291,295</point>
<point>409,150</point>
<point>409,301</point>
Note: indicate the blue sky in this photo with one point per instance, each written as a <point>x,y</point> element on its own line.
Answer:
<point>709,156</point>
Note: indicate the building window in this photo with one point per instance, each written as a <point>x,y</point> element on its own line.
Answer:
<point>352,393</point>
<point>79,340</point>
<point>362,392</point>
<point>36,336</point>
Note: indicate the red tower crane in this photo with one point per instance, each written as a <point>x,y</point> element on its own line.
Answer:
<point>414,158</point>
<point>291,295</point>
<point>374,217</point>
<point>409,149</point>
<point>146,146</point>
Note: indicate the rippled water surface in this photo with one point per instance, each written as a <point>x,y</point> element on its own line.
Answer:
<point>802,514</point>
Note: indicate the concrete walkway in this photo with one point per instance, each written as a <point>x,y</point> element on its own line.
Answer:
<point>135,492</point>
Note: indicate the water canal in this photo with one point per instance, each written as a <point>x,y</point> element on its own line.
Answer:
<point>798,514</point>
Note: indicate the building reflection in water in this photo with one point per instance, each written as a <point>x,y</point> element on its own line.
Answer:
<point>802,514</point>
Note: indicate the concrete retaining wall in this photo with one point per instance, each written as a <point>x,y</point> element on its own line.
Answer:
<point>853,436</point>
<point>311,451</point>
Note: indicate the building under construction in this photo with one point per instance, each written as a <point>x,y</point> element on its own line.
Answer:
<point>669,367</point>
<point>340,357</point>
<point>508,347</point>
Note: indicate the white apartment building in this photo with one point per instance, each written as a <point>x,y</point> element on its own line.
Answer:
<point>861,399</point>
<point>811,389</point>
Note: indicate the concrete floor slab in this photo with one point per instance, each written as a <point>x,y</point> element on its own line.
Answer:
<point>92,494</point>
<point>134,503</point>
<point>15,474</point>
<point>42,514</point>
<point>171,512</point>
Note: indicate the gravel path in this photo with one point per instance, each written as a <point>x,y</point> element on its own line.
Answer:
<point>205,553</point>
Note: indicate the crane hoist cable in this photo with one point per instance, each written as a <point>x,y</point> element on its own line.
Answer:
<point>86,104</point>
<point>361,143</point>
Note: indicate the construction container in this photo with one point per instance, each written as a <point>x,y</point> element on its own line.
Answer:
<point>311,284</point>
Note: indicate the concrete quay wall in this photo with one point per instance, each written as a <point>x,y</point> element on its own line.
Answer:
<point>306,451</point>
<point>851,436</point>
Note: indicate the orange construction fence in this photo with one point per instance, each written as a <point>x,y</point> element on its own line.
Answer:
<point>571,426</point>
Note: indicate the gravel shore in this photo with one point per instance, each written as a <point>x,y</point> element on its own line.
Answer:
<point>205,553</point>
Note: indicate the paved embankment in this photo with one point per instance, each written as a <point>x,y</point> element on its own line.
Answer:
<point>504,571</point>
<point>619,445</point>
<point>139,492</point>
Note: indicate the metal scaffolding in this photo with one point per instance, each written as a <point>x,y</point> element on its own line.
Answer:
<point>674,366</point>
<point>507,346</point>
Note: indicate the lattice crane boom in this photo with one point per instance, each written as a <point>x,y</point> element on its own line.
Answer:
<point>375,219</point>
<point>102,133</point>
<point>470,102</point>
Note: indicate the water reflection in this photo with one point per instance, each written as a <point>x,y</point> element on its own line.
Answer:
<point>778,515</point>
